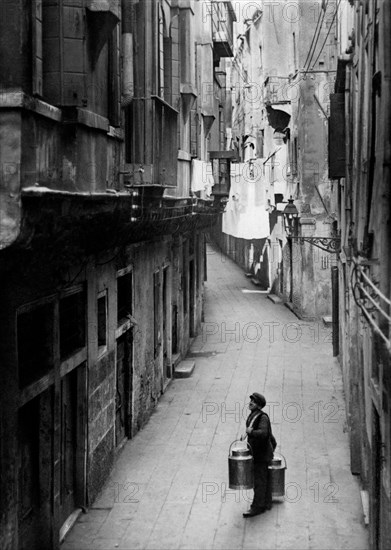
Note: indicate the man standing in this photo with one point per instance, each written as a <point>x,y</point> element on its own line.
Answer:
<point>262,442</point>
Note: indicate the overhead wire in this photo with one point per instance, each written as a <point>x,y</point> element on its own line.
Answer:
<point>321,15</point>
<point>328,32</point>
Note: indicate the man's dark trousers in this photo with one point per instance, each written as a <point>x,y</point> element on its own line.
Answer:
<point>262,486</point>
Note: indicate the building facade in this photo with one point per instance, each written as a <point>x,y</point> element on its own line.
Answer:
<point>282,73</point>
<point>359,163</point>
<point>106,195</point>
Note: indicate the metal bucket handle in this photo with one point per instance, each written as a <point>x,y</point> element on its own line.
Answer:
<point>283,458</point>
<point>229,452</point>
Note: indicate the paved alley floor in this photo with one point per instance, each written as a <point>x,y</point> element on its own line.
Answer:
<point>169,488</point>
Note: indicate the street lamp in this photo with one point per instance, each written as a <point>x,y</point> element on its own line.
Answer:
<point>291,216</point>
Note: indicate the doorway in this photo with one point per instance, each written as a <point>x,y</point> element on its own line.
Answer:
<point>376,480</point>
<point>167,331</point>
<point>69,443</point>
<point>124,370</point>
<point>191,299</point>
<point>35,472</point>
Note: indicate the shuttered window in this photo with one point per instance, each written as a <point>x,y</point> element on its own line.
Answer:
<point>337,145</point>
<point>37,47</point>
<point>64,57</point>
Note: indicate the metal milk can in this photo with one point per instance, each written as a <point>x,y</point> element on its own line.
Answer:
<point>240,467</point>
<point>277,469</point>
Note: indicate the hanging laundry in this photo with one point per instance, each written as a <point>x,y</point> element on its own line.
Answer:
<point>246,216</point>
<point>201,176</point>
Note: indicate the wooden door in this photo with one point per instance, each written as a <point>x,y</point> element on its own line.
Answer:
<point>376,481</point>
<point>29,532</point>
<point>174,329</point>
<point>166,326</point>
<point>69,403</point>
<point>35,473</point>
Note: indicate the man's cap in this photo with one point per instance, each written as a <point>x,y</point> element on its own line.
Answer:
<point>259,399</point>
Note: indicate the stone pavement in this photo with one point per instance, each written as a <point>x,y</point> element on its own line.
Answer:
<point>169,487</point>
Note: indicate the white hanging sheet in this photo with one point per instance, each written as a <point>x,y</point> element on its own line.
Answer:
<point>246,216</point>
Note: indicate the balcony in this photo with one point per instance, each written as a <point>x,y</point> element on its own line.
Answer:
<point>83,224</point>
<point>278,90</point>
<point>223,17</point>
<point>151,144</point>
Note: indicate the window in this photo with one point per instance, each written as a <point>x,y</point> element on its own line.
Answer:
<point>102,321</point>
<point>35,343</point>
<point>129,133</point>
<point>114,78</point>
<point>36,19</point>
<point>161,53</point>
<point>260,143</point>
<point>72,323</point>
<point>124,297</point>
<point>294,156</point>
<point>337,141</point>
<point>63,53</point>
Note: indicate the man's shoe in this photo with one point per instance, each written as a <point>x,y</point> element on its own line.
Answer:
<point>253,512</point>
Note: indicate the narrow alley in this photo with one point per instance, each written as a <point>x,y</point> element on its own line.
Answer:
<point>169,486</point>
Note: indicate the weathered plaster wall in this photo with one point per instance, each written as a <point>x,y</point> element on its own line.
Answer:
<point>10,162</point>
<point>364,222</point>
<point>147,376</point>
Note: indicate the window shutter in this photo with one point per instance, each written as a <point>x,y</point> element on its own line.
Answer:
<point>64,74</point>
<point>73,54</point>
<point>337,145</point>
<point>167,69</point>
<point>194,127</point>
<point>118,75</point>
<point>37,47</point>
<point>114,78</point>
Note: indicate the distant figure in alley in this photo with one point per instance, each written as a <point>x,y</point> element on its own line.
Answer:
<point>260,438</point>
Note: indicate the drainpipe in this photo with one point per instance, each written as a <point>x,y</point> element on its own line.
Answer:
<point>127,48</point>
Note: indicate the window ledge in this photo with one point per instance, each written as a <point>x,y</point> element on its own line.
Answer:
<point>184,155</point>
<point>20,100</point>
<point>87,118</point>
<point>116,133</point>
<point>104,6</point>
<point>162,102</point>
